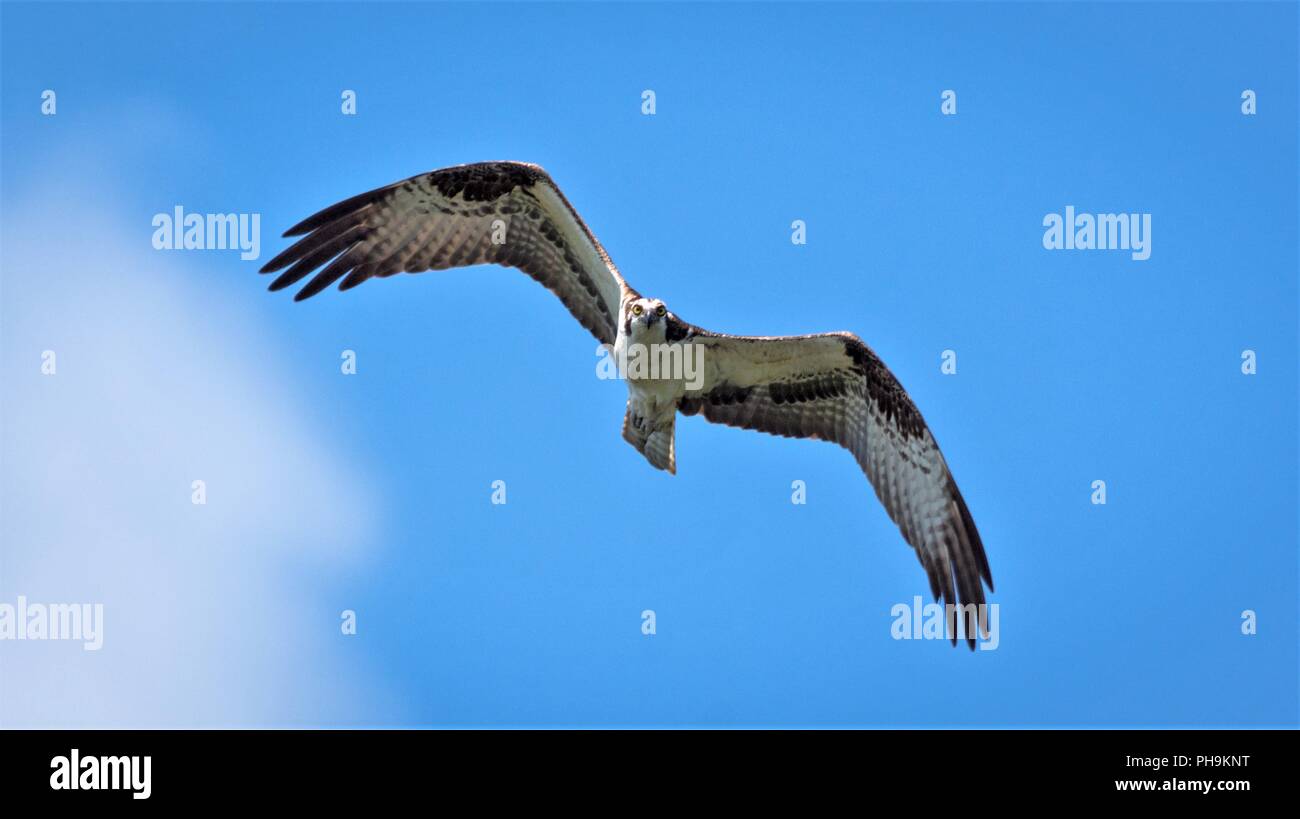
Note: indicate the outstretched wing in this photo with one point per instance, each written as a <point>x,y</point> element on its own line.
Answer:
<point>506,213</point>
<point>832,387</point>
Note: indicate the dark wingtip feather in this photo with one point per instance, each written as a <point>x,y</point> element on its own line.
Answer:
<point>283,280</point>
<point>977,545</point>
<point>950,595</point>
<point>281,259</point>
<point>334,271</point>
<point>345,208</point>
<point>302,227</point>
<point>314,286</point>
<point>354,278</point>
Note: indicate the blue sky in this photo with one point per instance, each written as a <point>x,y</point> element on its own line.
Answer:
<point>371,492</point>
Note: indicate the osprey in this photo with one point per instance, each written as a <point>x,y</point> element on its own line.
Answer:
<point>828,386</point>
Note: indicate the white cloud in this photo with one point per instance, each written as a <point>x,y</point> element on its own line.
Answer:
<point>214,615</point>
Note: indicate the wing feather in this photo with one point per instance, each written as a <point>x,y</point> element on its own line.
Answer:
<point>832,387</point>
<point>506,213</point>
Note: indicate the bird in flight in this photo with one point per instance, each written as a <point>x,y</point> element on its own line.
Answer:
<point>827,386</point>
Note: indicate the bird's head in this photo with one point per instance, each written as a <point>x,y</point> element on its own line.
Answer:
<point>645,320</point>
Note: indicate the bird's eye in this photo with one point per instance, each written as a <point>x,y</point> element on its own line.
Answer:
<point>661,310</point>
<point>637,309</point>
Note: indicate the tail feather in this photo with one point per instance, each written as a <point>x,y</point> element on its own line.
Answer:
<point>659,448</point>
<point>653,437</point>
